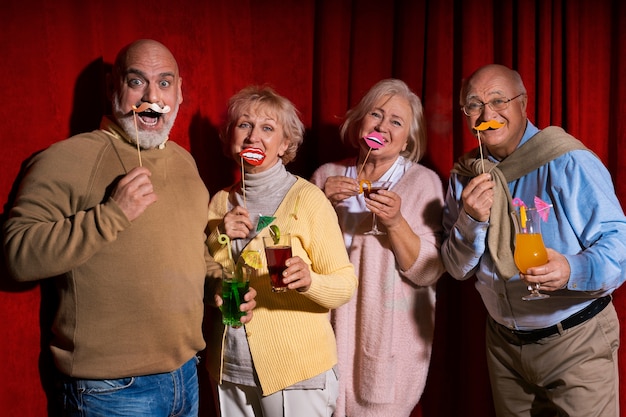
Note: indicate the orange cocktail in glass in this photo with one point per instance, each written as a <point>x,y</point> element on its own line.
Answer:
<point>529,251</point>
<point>529,248</point>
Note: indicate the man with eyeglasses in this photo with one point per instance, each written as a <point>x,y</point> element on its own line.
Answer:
<point>551,356</point>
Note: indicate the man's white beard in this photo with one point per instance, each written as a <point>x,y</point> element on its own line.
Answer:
<point>147,139</point>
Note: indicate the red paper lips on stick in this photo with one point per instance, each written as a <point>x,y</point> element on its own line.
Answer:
<point>253,156</point>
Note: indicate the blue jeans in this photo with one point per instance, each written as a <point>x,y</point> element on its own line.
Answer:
<point>160,395</point>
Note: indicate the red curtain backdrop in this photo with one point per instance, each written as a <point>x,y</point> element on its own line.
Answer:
<point>323,55</point>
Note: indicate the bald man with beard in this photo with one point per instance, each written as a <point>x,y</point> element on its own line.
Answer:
<point>116,217</point>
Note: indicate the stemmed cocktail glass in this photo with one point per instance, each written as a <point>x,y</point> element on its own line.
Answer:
<point>529,248</point>
<point>373,188</point>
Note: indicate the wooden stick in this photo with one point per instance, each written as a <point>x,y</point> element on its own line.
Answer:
<point>137,137</point>
<point>243,182</point>
<point>364,161</point>
<point>480,147</point>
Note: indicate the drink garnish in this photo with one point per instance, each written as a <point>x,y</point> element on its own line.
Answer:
<point>294,214</point>
<point>275,233</point>
<point>264,221</point>
<point>364,184</point>
<point>543,208</point>
<point>252,258</point>
<point>225,240</point>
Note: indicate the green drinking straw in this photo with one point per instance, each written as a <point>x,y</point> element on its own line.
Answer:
<point>225,240</point>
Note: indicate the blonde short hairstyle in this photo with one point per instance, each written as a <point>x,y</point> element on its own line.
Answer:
<point>279,108</point>
<point>416,142</point>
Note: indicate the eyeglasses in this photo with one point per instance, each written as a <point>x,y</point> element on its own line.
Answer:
<point>474,108</point>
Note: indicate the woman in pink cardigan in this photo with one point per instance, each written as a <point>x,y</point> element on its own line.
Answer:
<point>385,333</point>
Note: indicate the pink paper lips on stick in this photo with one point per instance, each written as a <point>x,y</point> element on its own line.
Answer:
<point>374,140</point>
<point>253,156</point>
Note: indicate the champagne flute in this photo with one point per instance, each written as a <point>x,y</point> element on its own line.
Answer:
<point>373,188</point>
<point>529,248</point>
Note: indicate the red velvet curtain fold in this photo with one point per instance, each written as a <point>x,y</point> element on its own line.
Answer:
<point>323,55</point>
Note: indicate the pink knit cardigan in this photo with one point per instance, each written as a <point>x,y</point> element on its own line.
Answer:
<point>385,333</point>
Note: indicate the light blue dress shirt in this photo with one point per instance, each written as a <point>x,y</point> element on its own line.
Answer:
<point>586,224</point>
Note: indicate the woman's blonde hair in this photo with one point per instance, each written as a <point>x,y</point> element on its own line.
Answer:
<point>416,142</point>
<point>266,100</point>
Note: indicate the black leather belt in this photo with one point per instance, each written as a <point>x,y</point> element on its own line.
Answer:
<point>530,336</point>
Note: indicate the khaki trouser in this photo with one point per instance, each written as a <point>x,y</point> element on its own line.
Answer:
<point>569,374</point>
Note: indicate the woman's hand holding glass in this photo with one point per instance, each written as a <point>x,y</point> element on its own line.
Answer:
<point>297,276</point>
<point>338,188</point>
<point>385,204</point>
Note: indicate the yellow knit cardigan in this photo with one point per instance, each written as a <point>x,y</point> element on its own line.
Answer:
<point>290,336</point>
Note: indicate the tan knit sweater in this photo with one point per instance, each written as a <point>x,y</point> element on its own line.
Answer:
<point>131,294</point>
<point>290,336</point>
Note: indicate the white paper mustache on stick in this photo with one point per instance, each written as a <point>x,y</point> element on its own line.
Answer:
<point>152,106</point>
<point>143,107</point>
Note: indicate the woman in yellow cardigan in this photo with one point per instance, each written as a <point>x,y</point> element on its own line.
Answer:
<point>282,362</point>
